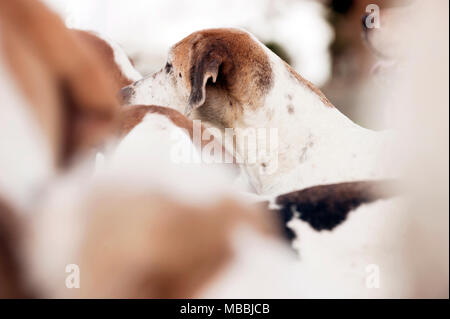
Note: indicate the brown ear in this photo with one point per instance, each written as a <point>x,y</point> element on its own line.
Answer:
<point>205,65</point>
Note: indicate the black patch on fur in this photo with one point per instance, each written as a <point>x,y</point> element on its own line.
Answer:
<point>326,206</point>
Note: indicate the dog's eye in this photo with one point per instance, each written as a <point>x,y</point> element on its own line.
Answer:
<point>168,67</point>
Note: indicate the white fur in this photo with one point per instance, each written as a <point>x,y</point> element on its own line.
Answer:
<point>26,159</point>
<point>338,262</point>
<point>158,154</point>
<point>161,89</point>
<point>55,233</point>
<point>261,267</point>
<point>330,264</point>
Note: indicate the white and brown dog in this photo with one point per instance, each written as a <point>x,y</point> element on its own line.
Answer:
<point>228,79</point>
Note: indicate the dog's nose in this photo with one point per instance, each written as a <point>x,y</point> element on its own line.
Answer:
<point>125,94</point>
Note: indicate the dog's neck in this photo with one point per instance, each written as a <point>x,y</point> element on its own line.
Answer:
<point>314,143</point>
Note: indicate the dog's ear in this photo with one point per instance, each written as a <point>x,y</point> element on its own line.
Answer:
<point>207,62</point>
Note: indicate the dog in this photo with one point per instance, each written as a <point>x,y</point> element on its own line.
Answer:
<point>227,79</point>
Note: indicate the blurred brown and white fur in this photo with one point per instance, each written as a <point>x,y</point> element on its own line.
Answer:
<point>228,79</point>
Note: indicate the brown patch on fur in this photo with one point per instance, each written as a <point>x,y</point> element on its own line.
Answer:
<point>237,65</point>
<point>107,54</point>
<point>140,246</point>
<point>63,79</point>
<point>11,285</point>
<point>308,84</point>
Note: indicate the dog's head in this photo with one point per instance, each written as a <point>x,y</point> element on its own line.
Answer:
<point>227,70</point>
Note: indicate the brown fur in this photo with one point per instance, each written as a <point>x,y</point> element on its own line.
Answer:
<point>238,69</point>
<point>62,78</point>
<point>107,54</point>
<point>152,247</point>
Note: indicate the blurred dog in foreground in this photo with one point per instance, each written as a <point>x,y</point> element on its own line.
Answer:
<point>57,103</point>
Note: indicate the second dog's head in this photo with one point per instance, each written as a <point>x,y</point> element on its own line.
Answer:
<point>219,76</point>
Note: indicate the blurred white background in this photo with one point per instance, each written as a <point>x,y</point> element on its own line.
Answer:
<point>147,28</point>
